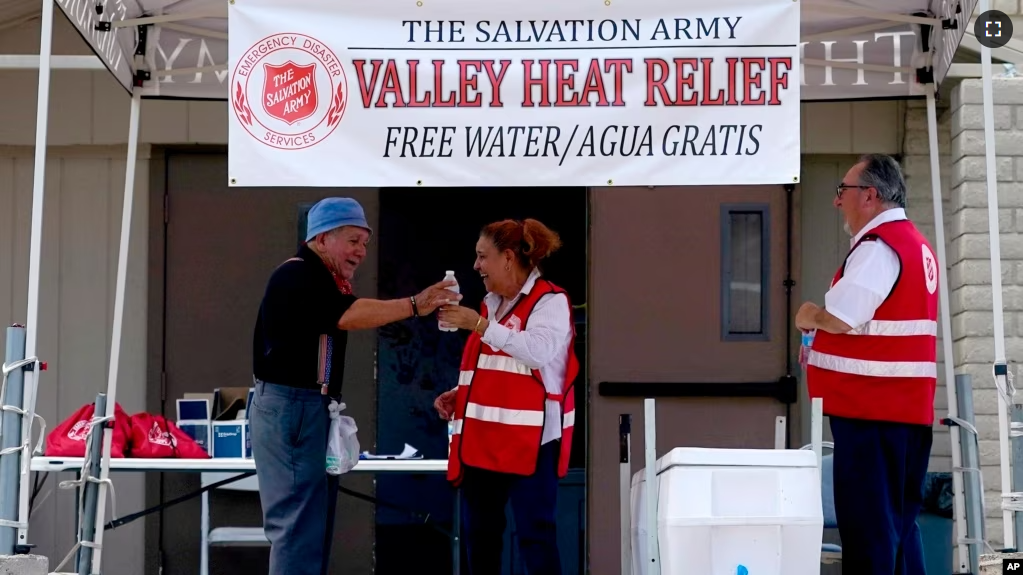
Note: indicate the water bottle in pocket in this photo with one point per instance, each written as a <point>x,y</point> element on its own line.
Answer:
<point>806,340</point>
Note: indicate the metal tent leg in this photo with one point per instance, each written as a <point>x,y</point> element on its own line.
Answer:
<point>115,341</point>
<point>625,510</point>
<point>1015,442</point>
<point>651,491</point>
<point>974,492</point>
<point>999,368</point>
<point>11,400</point>
<point>87,529</point>
<point>31,381</point>
<point>817,425</point>
<point>959,516</point>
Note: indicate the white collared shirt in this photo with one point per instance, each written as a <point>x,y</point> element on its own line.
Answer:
<point>544,345</point>
<point>871,271</point>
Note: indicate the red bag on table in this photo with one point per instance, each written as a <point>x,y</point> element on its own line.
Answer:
<point>68,438</point>
<point>154,437</point>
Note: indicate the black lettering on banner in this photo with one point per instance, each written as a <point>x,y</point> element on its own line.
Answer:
<point>413,142</point>
<point>610,141</point>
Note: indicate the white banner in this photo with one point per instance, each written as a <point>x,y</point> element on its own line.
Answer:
<point>568,93</point>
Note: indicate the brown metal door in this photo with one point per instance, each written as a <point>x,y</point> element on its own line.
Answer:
<point>657,316</point>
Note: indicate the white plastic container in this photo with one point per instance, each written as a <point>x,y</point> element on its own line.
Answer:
<point>732,512</point>
<point>444,326</point>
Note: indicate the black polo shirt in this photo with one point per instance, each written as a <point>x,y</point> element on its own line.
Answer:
<point>301,303</point>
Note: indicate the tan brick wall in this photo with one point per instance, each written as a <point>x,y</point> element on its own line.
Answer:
<point>970,276</point>
<point>965,207</point>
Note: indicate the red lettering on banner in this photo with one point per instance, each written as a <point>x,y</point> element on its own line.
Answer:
<point>706,99</point>
<point>730,81</point>
<point>619,67</point>
<point>601,83</point>
<point>496,78</point>
<point>779,78</point>
<point>752,79</point>
<point>529,82</point>
<point>390,85</point>
<point>593,84</point>
<point>438,73</point>
<point>468,70</point>
<point>674,84</point>
<point>731,62</point>
<point>414,98</point>
<point>562,82</point>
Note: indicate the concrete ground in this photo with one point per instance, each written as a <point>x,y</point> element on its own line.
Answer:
<point>993,563</point>
<point>24,564</point>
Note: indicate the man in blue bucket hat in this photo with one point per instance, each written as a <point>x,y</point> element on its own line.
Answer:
<point>298,363</point>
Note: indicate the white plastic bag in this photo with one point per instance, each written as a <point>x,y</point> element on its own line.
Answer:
<point>343,445</point>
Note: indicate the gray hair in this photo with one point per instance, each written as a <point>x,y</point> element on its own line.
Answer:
<point>883,173</point>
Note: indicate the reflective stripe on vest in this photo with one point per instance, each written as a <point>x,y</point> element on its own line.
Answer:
<point>896,328</point>
<point>502,364</point>
<point>872,367</point>
<point>505,416</point>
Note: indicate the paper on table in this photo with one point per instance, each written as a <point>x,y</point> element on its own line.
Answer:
<point>408,453</point>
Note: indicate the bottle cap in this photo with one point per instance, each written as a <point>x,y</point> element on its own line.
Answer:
<point>449,272</point>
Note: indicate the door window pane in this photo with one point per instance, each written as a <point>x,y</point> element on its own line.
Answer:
<point>744,272</point>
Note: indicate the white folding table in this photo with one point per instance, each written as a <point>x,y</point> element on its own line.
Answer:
<point>244,465</point>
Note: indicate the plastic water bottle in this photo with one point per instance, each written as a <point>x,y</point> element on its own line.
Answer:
<point>444,326</point>
<point>806,340</point>
<point>451,430</point>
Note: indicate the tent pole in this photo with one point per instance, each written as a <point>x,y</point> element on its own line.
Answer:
<point>31,382</point>
<point>651,494</point>
<point>115,341</point>
<point>999,369</point>
<point>959,513</point>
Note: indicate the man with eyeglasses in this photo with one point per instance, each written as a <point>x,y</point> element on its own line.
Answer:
<point>873,363</point>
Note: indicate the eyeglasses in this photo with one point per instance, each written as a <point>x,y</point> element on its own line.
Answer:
<point>841,187</point>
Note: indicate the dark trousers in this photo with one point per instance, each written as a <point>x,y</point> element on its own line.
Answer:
<point>879,472</point>
<point>289,430</point>
<point>484,496</point>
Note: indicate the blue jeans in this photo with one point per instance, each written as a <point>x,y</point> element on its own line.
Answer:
<point>289,430</point>
<point>879,471</point>
<point>484,496</point>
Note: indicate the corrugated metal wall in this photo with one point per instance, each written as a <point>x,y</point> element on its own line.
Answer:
<point>82,221</point>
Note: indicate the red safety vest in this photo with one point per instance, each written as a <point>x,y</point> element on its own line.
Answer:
<point>500,402</point>
<point>886,369</point>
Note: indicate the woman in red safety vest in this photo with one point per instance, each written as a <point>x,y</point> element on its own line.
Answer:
<point>512,411</point>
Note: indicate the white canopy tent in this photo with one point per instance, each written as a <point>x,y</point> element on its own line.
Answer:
<point>851,49</point>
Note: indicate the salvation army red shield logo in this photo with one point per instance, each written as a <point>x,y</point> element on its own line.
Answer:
<point>931,270</point>
<point>158,435</point>
<point>80,431</point>
<point>289,91</point>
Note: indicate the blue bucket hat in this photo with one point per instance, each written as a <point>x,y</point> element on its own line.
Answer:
<point>331,213</point>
